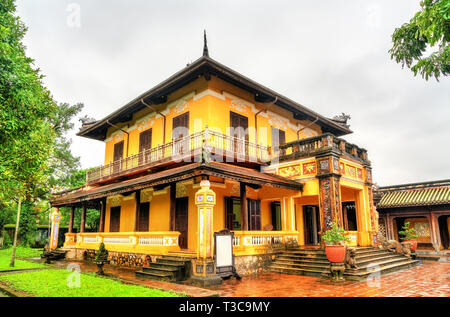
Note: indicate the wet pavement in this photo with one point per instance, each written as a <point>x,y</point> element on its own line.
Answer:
<point>428,279</point>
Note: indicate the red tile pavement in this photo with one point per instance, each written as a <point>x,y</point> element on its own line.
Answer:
<point>428,279</point>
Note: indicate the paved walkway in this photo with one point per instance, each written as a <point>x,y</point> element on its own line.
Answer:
<point>428,279</point>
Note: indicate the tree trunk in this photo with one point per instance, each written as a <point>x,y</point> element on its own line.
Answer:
<point>13,255</point>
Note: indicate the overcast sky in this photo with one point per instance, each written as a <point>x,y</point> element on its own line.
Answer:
<point>330,56</point>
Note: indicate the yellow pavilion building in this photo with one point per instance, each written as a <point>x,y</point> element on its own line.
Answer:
<point>280,172</point>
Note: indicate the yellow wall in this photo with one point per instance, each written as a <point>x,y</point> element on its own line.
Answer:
<point>209,104</point>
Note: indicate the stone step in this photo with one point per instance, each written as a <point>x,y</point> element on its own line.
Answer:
<point>374,257</point>
<point>303,257</point>
<point>380,263</point>
<point>157,275</point>
<point>393,267</point>
<point>323,260</point>
<point>299,271</point>
<point>311,265</point>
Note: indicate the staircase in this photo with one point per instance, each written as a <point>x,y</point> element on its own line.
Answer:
<point>313,262</point>
<point>168,268</point>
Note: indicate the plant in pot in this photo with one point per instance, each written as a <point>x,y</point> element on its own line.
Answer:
<point>101,259</point>
<point>409,235</point>
<point>335,239</point>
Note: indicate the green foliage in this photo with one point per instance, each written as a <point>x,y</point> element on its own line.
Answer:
<point>335,235</point>
<point>7,242</point>
<point>102,254</point>
<point>54,283</point>
<point>429,28</point>
<point>22,252</point>
<point>407,233</point>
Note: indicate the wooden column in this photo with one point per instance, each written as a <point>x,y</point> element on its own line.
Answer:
<point>173,197</point>
<point>101,227</point>
<point>72,212</point>
<point>434,231</point>
<point>136,211</point>
<point>83,218</point>
<point>244,211</point>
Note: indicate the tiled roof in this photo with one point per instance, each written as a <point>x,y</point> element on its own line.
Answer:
<point>416,195</point>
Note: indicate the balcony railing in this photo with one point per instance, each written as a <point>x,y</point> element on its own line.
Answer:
<point>191,148</point>
<point>320,144</point>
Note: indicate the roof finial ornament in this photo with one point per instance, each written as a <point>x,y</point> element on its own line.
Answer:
<point>205,45</point>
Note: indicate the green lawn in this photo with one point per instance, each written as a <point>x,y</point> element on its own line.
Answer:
<point>22,252</point>
<point>55,283</point>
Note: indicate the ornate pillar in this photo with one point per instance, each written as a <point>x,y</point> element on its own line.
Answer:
<point>56,218</point>
<point>136,211</point>
<point>101,227</point>
<point>244,209</point>
<point>203,268</point>
<point>83,218</point>
<point>72,212</point>
<point>329,191</point>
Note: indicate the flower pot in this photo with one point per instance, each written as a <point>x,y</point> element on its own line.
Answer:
<point>414,244</point>
<point>335,253</point>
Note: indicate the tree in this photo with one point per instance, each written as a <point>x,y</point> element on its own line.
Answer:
<point>26,113</point>
<point>428,29</point>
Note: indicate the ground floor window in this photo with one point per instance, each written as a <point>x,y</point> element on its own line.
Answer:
<point>114,219</point>
<point>254,214</point>
<point>233,213</point>
<point>349,216</point>
<point>143,223</point>
<point>275,208</point>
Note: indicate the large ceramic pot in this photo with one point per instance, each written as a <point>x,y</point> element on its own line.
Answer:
<point>335,253</point>
<point>414,244</point>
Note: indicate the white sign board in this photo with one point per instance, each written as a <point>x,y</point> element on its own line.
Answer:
<point>224,250</point>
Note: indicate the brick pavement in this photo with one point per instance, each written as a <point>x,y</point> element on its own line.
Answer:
<point>430,279</point>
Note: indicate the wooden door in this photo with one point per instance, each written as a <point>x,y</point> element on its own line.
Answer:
<point>118,156</point>
<point>239,125</point>
<point>181,221</point>
<point>254,214</point>
<point>143,222</point>
<point>275,207</point>
<point>278,138</point>
<point>311,224</point>
<point>145,143</point>
<point>180,132</point>
<point>114,219</point>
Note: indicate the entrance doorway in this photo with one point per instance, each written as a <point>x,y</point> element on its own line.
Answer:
<point>311,221</point>
<point>349,216</point>
<point>181,221</point>
<point>443,231</point>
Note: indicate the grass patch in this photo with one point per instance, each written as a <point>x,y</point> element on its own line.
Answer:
<point>55,283</point>
<point>22,252</point>
<point>18,264</point>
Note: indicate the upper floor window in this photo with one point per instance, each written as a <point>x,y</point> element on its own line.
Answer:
<point>278,138</point>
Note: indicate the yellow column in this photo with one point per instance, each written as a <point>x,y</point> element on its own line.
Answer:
<point>55,218</point>
<point>203,267</point>
<point>205,199</point>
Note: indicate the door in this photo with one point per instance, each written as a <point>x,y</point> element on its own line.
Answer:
<point>254,214</point>
<point>275,207</point>
<point>239,128</point>
<point>181,221</point>
<point>311,224</point>
<point>278,138</point>
<point>349,216</point>
<point>145,143</point>
<point>114,219</point>
<point>118,156</point>
<point>143,222</point>
<point>180,133</point>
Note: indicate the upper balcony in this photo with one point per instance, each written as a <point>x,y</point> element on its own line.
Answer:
<point>210,145</point>
<point>319,145</point>
<point>192,148</point>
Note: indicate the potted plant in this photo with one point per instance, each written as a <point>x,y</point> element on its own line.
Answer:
<point>409,235</point>
<point>335,243</point>
<point>101,258</point>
